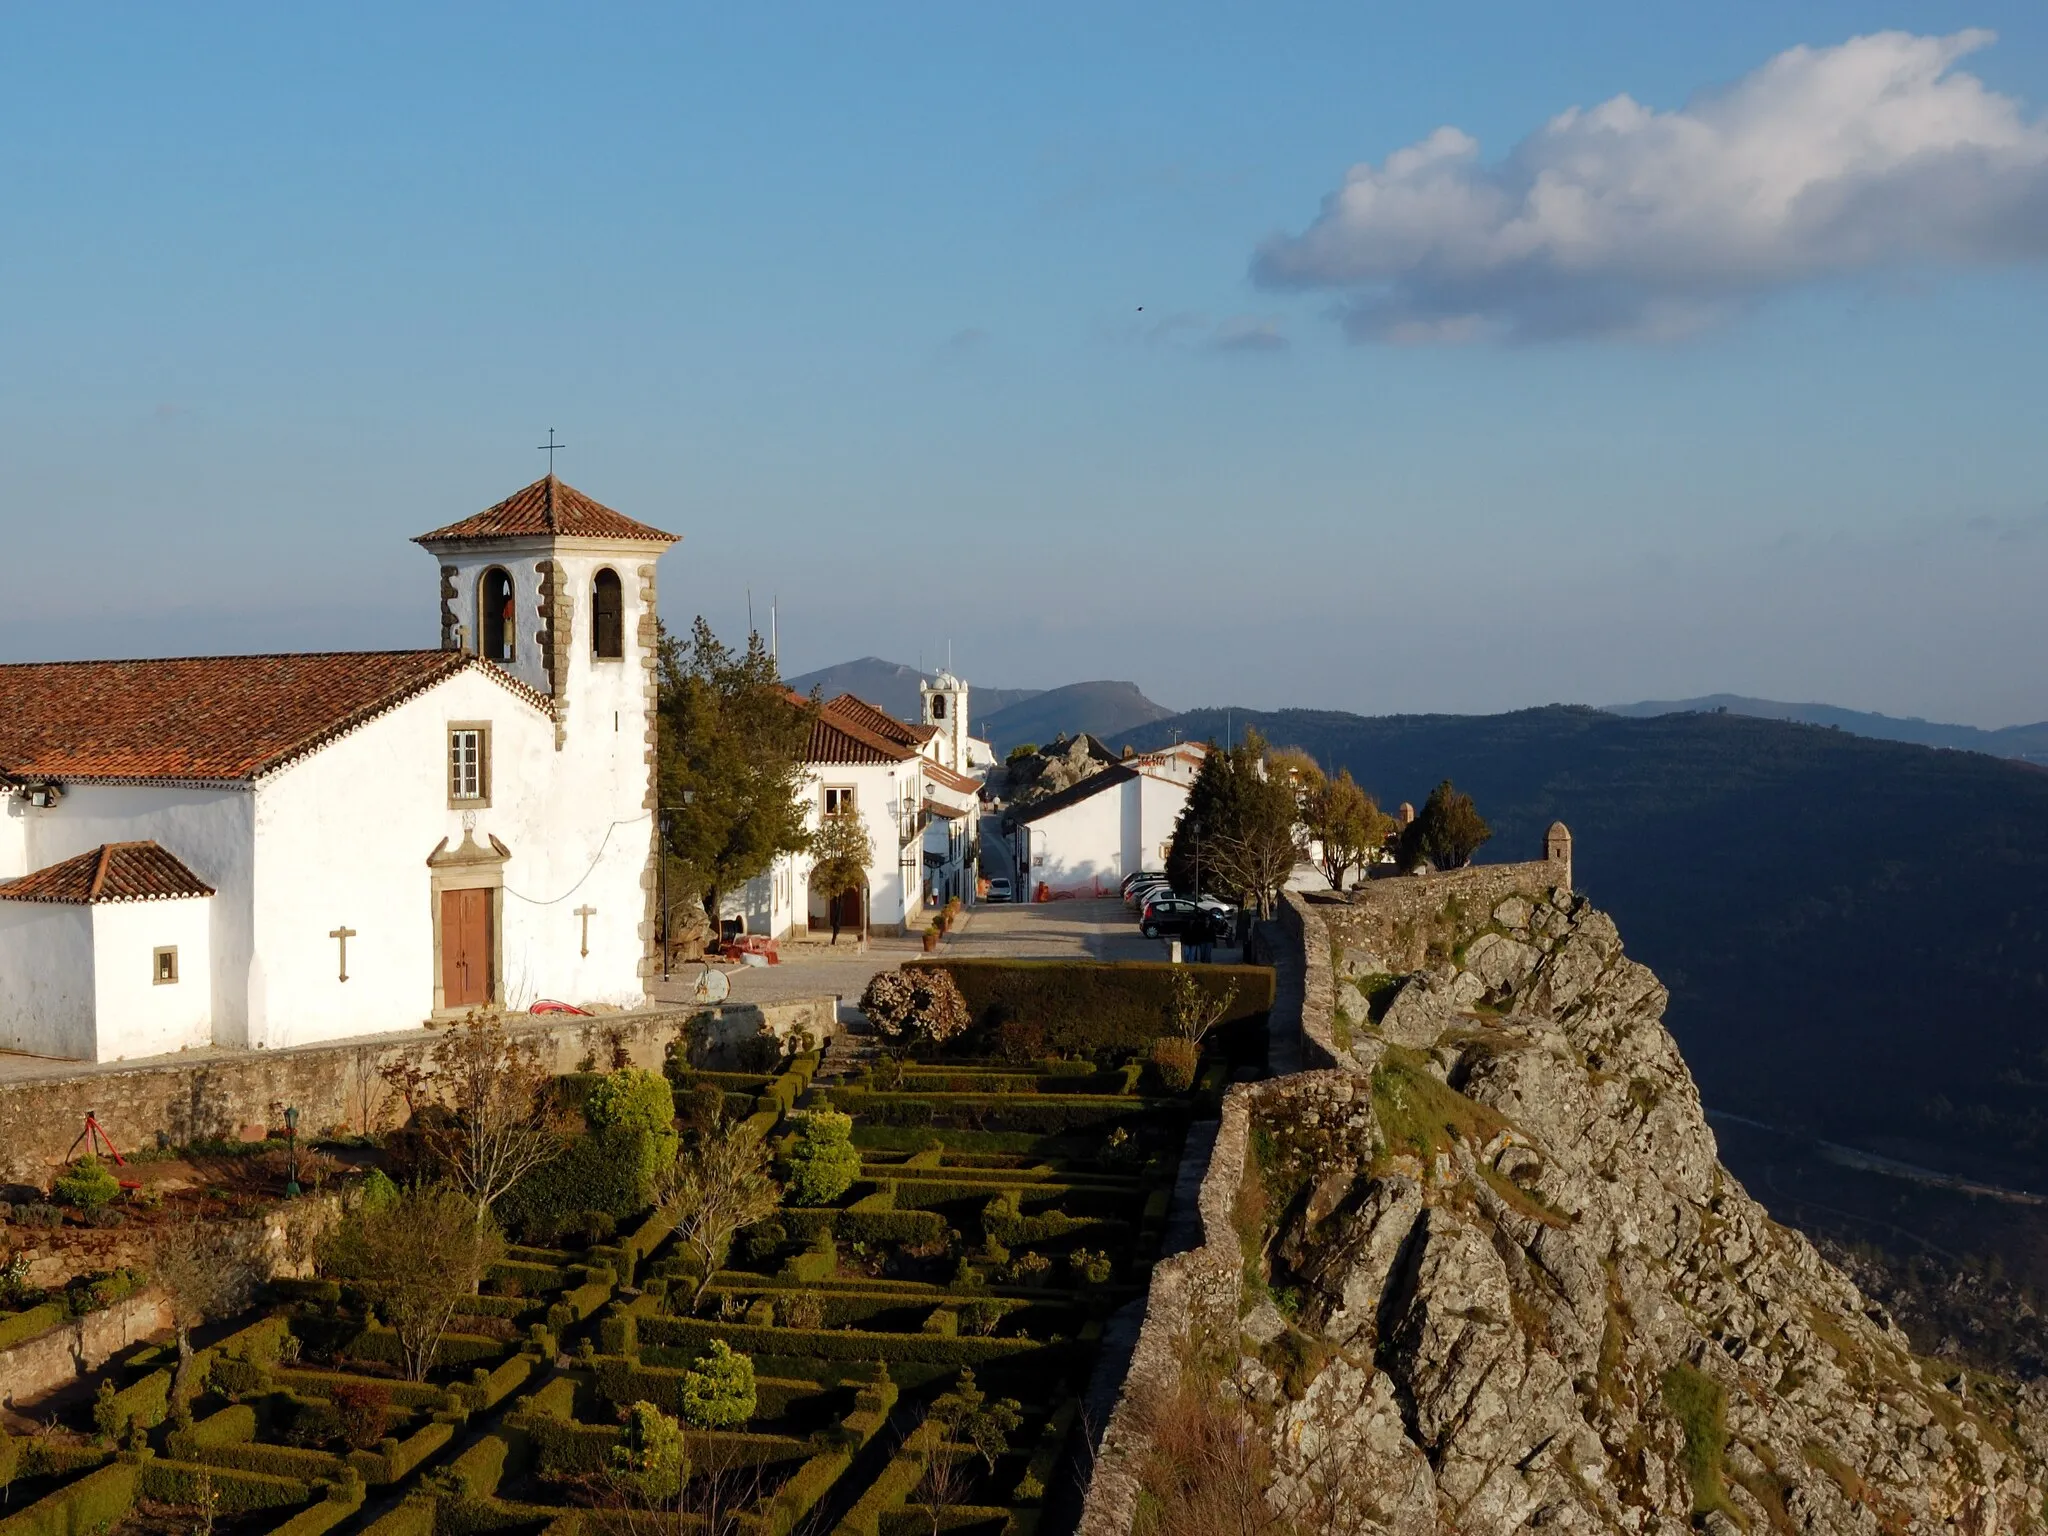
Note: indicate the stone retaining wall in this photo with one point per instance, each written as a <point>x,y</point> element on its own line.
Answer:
<point>1394,919</point>
<point>334,1086</point>
<point>58,1358</point>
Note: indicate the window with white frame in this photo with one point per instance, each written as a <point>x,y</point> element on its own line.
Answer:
<point>838,800</point>
<point>469,764</point>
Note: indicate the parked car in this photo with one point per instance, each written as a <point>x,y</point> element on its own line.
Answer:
<point>1141,876</point>
<point>998,888</point>
<point>1147,890</point>
<point>1183,920</point>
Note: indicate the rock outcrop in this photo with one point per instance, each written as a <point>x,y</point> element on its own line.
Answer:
<point>1510,1287</point>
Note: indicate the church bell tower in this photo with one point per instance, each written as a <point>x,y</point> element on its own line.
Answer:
<point>945,707</point>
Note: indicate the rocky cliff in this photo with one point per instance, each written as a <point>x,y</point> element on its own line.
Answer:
<point>1486,1274</point>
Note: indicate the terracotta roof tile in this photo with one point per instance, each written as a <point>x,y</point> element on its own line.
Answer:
<point>203,717</point>
<point>878,721</point>
<point>547,507</point>
<point>839,735</point>
<point>961,783</point>
<point>110,872</point>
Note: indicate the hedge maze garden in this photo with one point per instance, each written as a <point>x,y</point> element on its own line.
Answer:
<point>895,1337</point>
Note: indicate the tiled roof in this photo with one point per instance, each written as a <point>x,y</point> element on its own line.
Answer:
<point>939,773</point>
<point>879,721</point>
<point>110,872</point>
<point>548,507</point>
<point>203,717</point>
<point>840,735</point>
<point>1094,784</point>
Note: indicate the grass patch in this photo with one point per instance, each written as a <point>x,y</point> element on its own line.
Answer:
<point>1420,1115</point>
<point>1699,1405</point>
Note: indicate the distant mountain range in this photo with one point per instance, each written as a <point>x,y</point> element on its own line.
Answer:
<point>2029,742</point>
<point>892,686</point>
<point>1005,717</point>
<point>1854,931</point>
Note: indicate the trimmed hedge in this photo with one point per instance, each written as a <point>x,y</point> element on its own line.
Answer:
<point>1090,1006</point>
<point>273,1460</point>
<point>624,1380</point>
<point>18,1326</point>
<point>393,1459</point>
<point>234,1492</point>
<point>1036,1115</point>
<point>532,1278</point>
<point>475,1474</point>
<point>230,1426</point>
<point>94,1502</point>
<point>343,1500</point>
<point>404,1394</point>
<point>146,1402</point>
<point>608,1171</point>
<point>415,1517</point>
<point>689,1337</point>
<point>453,1352</point>
<point>487,1389</point>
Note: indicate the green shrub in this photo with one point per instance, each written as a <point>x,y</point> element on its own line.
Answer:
<point>145,1402</point>
<point>824,1163</point>
<point>1087,1008</point>
<point>1175,1058</point>
<point>87,1184</point>
<point>718,1389</point>
<point>608,1170</point>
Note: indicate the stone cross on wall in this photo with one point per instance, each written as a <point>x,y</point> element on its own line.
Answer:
<point>344,935</point>
<point>586,913</point>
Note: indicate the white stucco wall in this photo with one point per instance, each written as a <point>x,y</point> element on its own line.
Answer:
<point>14,814</point>
<point>133,1015</point>
<point>46,978</point>
<point>343,840</point>
<point>209,830</point>
<point>1091,845</point>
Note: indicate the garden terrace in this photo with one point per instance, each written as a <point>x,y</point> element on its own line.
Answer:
<point>993,1214</point>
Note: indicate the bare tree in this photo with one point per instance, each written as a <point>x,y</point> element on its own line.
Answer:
<point>1192,1012</point>
<point>1257,859</point>
<point>416,1256</point>
<point>369,1092</point>
<point>209,1270</point>
<point>713,1190</point>
<point>504,1119</point>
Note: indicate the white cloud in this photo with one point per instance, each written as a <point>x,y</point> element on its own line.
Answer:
<point>1623,221</point>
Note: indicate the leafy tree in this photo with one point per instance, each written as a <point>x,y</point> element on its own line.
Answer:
<point>1446,832</point>
<point>650,1464</point>
<point>1347,822</point>
<point>732,769</point>
<point>718,1389</point>
<point>918,1002</point>
<point>824,1163</point>
<point>1021,751</point>
<point>841,851</point>
<point>715,1189</point>
<point>504,1121</point>
<point>1238,829</point>
<point>416,1260</point>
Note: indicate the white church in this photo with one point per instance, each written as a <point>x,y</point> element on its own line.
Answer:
<point>266,851</point>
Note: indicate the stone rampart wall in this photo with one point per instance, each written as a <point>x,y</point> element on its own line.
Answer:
<point>1390,922</point>
<point>64,1354</point>
<point>334,1086</point>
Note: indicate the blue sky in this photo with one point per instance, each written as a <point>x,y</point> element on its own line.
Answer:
<point>850,298</point>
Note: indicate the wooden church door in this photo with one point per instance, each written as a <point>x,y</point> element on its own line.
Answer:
<point>465,948</point>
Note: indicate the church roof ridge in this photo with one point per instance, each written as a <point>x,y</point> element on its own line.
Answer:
<point>206,718</point>
<point>550,507</point>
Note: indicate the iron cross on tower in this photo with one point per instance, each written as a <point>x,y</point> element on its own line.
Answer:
<point>549,448</point>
